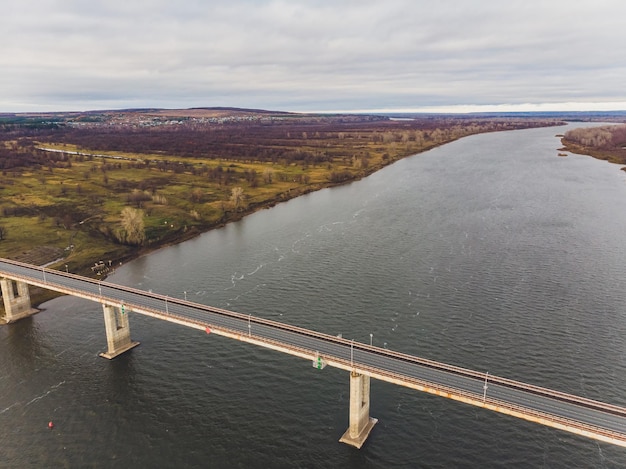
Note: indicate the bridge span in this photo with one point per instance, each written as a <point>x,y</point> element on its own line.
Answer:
<point>579,415</point>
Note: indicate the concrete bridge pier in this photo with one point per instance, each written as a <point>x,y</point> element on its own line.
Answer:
<point>118,331</point>
<point>361,423</point>
<point>16,300</point>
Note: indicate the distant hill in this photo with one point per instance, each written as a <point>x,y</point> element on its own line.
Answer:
<point>197,112</point>
<point>237,109</point>
<point>208,112</point>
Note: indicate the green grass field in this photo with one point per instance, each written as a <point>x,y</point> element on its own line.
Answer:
<point>75,206</point>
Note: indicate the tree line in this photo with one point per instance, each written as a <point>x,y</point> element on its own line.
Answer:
<point>608,137</point>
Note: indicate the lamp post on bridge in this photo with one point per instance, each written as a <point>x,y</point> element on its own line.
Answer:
<point>371,339</point>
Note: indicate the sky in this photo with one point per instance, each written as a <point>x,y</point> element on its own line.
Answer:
<point>313,55</point>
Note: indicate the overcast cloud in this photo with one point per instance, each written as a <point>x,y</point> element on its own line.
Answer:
<point>312,55</point>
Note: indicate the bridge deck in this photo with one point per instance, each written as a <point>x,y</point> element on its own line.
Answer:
<point>567,412</point>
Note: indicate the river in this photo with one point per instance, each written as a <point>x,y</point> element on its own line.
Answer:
<point>491,253</point>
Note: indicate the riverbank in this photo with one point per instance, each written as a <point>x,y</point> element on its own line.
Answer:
<point>55,258</point>
<point>612,156</point>
<point>70,201</point>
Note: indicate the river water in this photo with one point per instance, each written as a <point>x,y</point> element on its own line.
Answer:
<point>490,253</point>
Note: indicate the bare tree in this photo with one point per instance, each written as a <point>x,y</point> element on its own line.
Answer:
<point>197,195</point>
<point>237,197</point>
<point>268,175</point>
<point>132,224</point>
<point>419,137</point>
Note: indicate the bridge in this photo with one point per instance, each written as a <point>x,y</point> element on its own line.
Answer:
<point>579,415</point>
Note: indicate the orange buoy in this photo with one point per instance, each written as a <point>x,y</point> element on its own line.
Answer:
<point>50,424</point>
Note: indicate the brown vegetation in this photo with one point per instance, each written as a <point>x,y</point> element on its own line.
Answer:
<point>606,142</point>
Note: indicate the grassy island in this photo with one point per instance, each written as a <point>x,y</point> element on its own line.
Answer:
<point>88,191</point>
